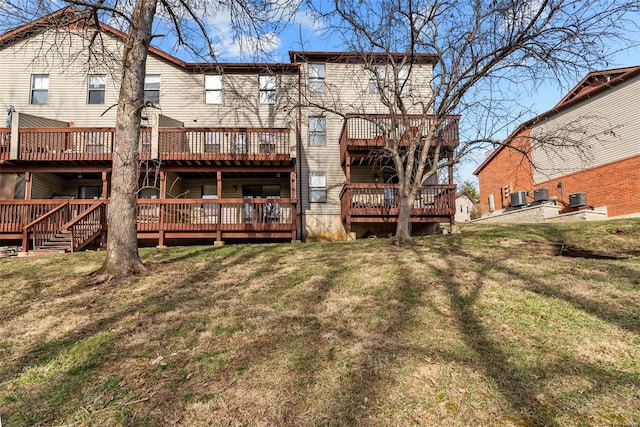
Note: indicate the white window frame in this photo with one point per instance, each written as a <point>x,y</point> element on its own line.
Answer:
<point>267,89</point>
<point>39,85</point>
<point>317,74</point>
<point>377,77</point>
<point>317,187</point>
<point>404,79</point>
<point>317,131</point>
<point>213,89</point>
<point>150,84</point>
<point>96,84</point>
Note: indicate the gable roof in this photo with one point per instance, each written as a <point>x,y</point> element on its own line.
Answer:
<point>70,17</point>
<point>360,57</point>
<point>592,84</point>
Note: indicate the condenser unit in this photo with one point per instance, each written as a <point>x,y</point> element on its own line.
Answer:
<point>541,195</point>
<point>519,198</point>
<point>577,200</point>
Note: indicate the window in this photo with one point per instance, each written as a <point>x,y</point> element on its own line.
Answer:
<point>97,84</point>
<point>403,79</point>
<point>316,77</point>
<point>152,88</point>
<point>39,88</point>
<point>89,192</point>
<point>213,89</point>
<point>267,89</point>
<point>317,187</point>
<point>317,130</point>
<point>376,78</point>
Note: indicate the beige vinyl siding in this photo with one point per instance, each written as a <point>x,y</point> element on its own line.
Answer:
<point>617,109</point>
<point>181,90</point>
<point>45,185</point>
<point>364,174</point>
<point>8,186</point>
<point>173,185</point>
<point>347,90</point>
<point>70,186</point>
<point>48,53</point>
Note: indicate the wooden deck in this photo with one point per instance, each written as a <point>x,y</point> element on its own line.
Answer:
<point>379,203</point>
<point>197,144</point>
<point>36,222</point>
<point>364,133</point>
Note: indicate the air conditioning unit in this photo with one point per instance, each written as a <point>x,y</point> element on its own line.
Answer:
<point>541,195</point>
<point>577,200</point>
<point>519,198</point>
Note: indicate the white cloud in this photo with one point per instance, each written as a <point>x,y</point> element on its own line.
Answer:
<point>309,22</point>
<point>228,44</point>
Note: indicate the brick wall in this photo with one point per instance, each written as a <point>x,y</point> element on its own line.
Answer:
<point>615,185</point>
<point>508,171</point>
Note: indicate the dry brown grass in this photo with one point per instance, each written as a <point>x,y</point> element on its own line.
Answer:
<point>456,331</point>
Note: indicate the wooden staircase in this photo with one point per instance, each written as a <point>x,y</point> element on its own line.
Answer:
<point>61,242</point>
<point>60,231</point>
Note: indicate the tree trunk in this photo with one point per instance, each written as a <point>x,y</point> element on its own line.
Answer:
<point>122,244</point>
<point>403,228</point>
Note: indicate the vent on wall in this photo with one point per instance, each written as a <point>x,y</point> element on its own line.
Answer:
<point>541,195</point>
<point>519,198</point>
<point>577,200</point>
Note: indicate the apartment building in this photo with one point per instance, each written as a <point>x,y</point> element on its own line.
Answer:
<point>228,151</point>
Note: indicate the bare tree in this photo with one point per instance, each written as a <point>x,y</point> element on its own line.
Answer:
<point>484,52</point>
<point>187,21</point>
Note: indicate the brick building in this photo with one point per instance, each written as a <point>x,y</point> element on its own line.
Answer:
<point>592,151</point>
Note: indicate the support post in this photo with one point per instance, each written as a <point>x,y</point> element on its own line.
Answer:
<point>14,147</point>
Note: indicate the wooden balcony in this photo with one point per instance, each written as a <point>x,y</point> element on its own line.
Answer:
<point>5,140</point>
<point>365,133</point>
<point>379,203</point>
<point>36,221</point>
<point>197,144</point>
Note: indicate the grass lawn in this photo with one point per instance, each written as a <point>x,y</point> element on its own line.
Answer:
<point>459,330</point>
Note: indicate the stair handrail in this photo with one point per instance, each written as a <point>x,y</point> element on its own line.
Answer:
<point>82,237</point>
<point>45,216</point>
<point>78,218</point>
<point>39,235</point>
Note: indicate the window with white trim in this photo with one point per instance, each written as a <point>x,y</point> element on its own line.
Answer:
<point>376,78</point>
<point>213,89</point>
<point>317,131</point>
<point>267,86</point>
<point>152,88</point>
<point>97,83</point>
<point>404,83</point>
<point>316,77</point>
<point>39,88</point>
<point>317,187</point>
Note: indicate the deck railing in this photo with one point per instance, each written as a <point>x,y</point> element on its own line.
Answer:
<point>73,144</point>
<point>209,214</point>
<point>195,143</point>
<point>5,141</point>
<point>86,226</point>
<point>40,220</point>
<point>66,143</point>
<point>383,199</point>
<point>369,130</point>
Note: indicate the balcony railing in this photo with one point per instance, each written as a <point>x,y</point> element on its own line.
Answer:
<point>189,143</point>
<point>368,131</point>
<point>43,218</point>
<point>383,200</point>
<point>5,140</point>
<point>73,144</point>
